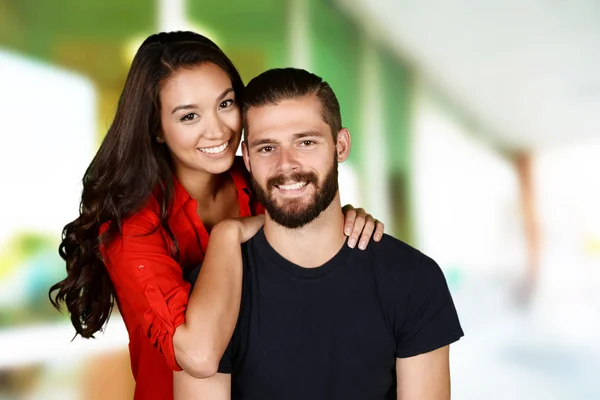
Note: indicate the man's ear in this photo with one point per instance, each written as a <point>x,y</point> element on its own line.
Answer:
<point>344,141</point>
<point>246,156</point>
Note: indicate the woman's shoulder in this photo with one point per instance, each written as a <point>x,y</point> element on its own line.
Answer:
<point>145,220</point>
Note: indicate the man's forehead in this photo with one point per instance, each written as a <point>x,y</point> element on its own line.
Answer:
<point>287,116</point>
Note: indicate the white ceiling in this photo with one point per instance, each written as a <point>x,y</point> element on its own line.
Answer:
<point>527,70</point>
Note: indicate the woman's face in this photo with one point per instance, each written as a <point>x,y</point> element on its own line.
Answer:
<point>200,119</point>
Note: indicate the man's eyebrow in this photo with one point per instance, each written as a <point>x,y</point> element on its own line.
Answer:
<point>301,135</point>
<point>254,143</point>
<point>190,106</point>
<point>295,136</point>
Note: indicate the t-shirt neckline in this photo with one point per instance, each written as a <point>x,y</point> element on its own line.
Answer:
<point>263,246</point>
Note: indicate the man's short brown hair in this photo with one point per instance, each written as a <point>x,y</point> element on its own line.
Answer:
<point>275,85</point>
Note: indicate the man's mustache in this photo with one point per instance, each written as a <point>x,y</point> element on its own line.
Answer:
<point>281,179</point>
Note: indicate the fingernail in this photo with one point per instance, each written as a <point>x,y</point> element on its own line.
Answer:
<point>352,242</point>
<point>348,230</point>
<point>362,245</point>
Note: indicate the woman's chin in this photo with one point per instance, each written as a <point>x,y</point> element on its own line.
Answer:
<point>218,165</point>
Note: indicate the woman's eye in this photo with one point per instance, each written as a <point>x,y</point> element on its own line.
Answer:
<point>189,117</point>
<point>226,103</point>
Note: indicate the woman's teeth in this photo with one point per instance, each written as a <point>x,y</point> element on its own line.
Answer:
<point>215,150</point>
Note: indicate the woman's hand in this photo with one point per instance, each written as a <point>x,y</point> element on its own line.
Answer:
<point>361,227</point>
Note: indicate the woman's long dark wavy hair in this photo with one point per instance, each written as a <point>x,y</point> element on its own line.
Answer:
<point>129,166</point>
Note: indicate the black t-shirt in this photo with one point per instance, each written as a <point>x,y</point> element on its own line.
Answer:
<point>334,332</point>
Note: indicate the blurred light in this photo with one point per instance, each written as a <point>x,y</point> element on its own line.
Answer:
<point>132,45</point>
<point>50,115</point>
<point>52,342</point>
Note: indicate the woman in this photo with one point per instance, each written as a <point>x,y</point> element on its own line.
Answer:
<point>164,177</point>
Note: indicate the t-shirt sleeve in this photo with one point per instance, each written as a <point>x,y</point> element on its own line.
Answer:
<point>226,363</point>
<point>239,340</point>
<point>231,355</point>
<point>429,318</point>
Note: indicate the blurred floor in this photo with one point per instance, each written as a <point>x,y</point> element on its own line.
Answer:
<point>515,352</point>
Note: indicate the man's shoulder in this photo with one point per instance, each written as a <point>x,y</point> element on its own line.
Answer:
<point>395,260</point>
<point>255,244</point>
<point>392,251</point>
<point>256,240</point>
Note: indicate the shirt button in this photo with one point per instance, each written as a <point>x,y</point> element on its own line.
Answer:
<point>151,290</point>
<point>141,267</point>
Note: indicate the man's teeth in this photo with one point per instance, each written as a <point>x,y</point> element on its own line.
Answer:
<point>293,186</point>
<point>215,150</point>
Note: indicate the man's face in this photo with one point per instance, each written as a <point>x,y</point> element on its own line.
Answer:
<point>293,160</point>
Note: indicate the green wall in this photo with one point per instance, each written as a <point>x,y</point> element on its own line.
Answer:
<point>253,33</point>
<point>336,58</point>
<point>90,37</point>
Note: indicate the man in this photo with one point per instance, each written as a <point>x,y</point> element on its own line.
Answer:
<point>320,320</point>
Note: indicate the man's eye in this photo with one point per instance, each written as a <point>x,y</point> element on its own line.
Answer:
<point>266,149</point>
<point>307,143</point>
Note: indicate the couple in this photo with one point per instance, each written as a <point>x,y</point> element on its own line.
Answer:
<point>318,319</point>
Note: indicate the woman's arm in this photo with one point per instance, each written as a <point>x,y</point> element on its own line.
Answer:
<point>186,387</point>
<point>153,294</point>
<point>214,304</point>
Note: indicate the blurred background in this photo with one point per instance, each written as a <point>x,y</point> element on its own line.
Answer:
<point>476,138</point>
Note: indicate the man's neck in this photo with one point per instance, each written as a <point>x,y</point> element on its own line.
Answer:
<point>315,243</point>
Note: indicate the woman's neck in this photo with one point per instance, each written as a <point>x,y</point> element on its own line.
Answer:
<point>215,195</point>
<point>204,187</point>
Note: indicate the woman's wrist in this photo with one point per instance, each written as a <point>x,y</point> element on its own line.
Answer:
<point>228,230</point>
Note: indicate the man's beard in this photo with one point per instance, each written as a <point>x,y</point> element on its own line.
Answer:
<point>295,213</point>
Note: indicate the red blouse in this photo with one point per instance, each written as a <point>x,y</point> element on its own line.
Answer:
<point>151,292</point>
